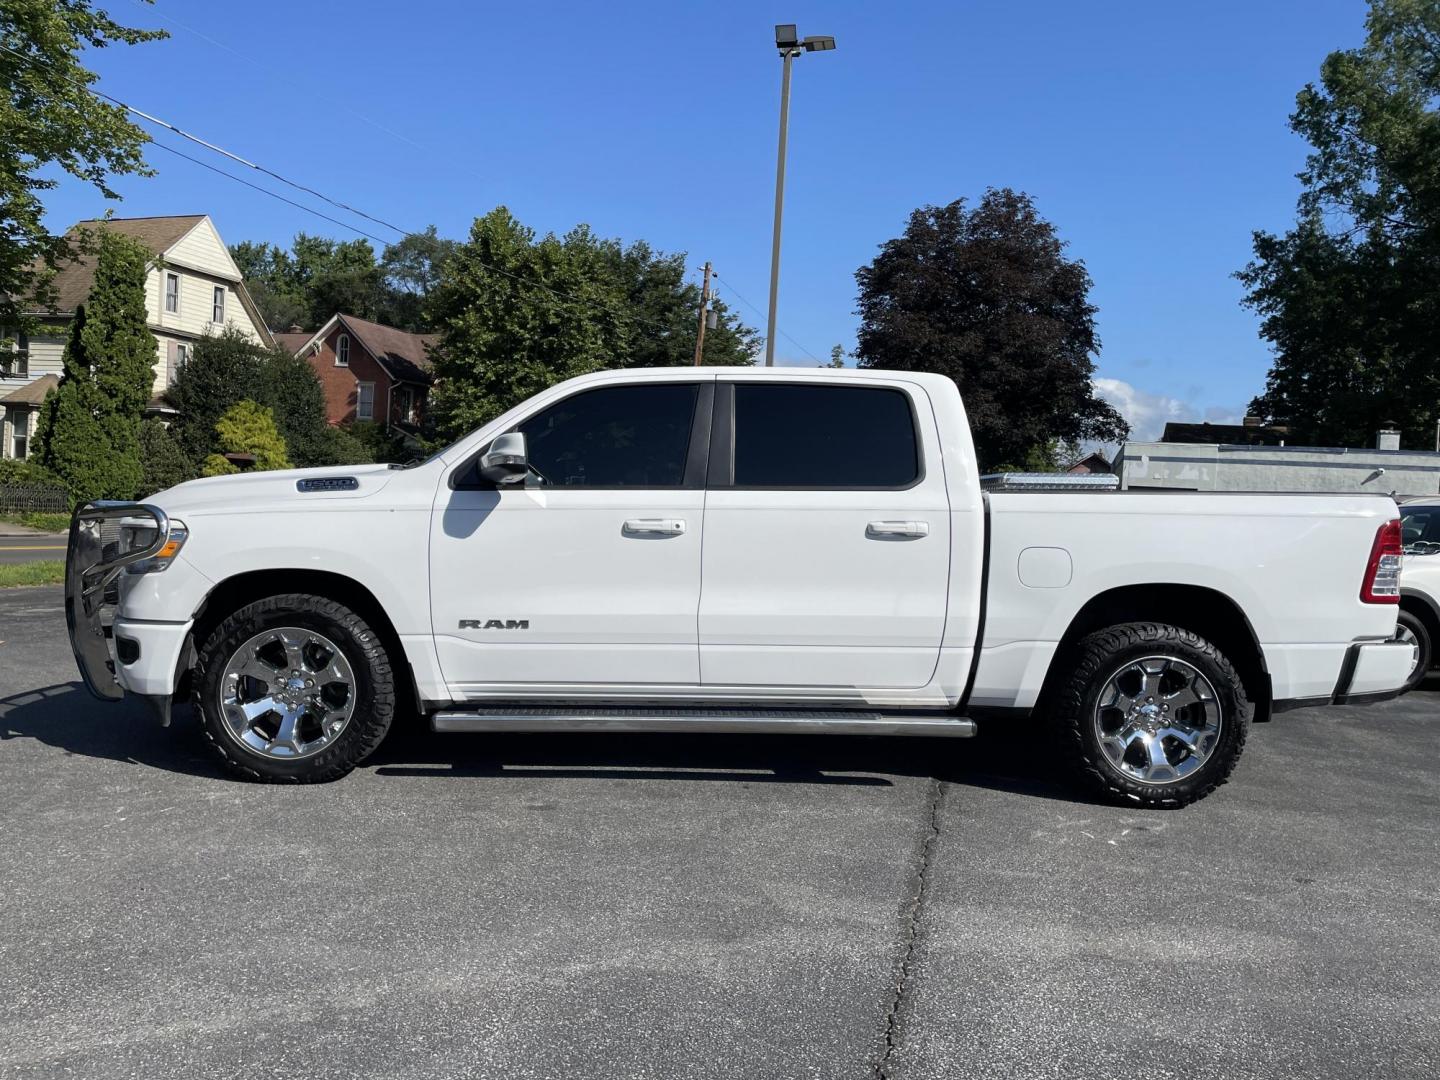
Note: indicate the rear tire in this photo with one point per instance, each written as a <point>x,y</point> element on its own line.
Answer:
<point>1410,627</point>
<point>293,689</point>
<point>1150,714</point>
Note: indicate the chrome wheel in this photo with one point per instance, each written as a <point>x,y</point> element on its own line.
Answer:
<point>287,693</point>
<point>1405,634</point>
<point>1157,719</point>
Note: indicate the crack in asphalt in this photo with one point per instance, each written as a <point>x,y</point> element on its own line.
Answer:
<point>910,925</point>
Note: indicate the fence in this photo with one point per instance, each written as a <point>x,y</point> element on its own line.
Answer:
<point>33,498</point>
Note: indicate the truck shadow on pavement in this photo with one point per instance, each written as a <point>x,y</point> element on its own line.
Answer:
<point>1003,758</point>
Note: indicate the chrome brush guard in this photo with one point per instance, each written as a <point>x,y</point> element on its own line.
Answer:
<point>88,575</point>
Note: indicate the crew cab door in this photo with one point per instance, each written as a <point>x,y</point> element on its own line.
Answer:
<point>587,573</point>
<point>827,537</point>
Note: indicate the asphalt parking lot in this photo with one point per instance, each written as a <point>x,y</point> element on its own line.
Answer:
<point>667,907</point>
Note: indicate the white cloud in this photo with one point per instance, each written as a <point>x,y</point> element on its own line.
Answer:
<point>1148,413</point>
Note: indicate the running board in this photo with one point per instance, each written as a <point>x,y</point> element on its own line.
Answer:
<point>759,721</point>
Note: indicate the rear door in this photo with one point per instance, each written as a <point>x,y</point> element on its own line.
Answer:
<point>827,537</point>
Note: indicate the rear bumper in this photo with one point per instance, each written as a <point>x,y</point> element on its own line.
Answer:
<point>1373,671</point>
<point>1370,671</point>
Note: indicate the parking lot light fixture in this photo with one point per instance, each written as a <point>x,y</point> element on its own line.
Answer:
<point>791,45</point>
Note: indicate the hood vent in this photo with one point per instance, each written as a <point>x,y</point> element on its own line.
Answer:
<point>327,483</point>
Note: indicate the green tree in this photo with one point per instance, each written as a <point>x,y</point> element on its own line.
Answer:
<point>1349,299</point>
<point>69,438</point>
<point>837,356</point>
<point>412,269</point>
<point>165,464</point>
<point>227,368</point>
<point>247,428</point>
<point>662,307</point>
<point>987,297</point>
<point>223,370</point>
<point>313,280</point>
<point>51,124</point>
<point>89,431</point>
<point>289,388</point>
<point>517,314</point>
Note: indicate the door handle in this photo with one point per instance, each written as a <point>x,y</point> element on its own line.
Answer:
<point>898,528</point>
<point>654,527</point>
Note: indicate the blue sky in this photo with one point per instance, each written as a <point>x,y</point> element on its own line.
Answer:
<point>1152,134</point>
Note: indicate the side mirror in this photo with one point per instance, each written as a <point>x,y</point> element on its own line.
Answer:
<point>506,461</point>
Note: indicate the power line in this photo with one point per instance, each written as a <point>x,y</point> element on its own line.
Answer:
<point>210,145</point>
<point>757,311</point>
<point>171,20</point>
<point>404,233</point>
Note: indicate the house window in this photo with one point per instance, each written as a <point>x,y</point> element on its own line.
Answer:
<point>217,313</point>
<point>365,401</point>
<point>342,351</point>
<point>19,421</point>
<point>172,293</point>
<point>16,362</point>
<point>179,357</point>
<point>407,409</point>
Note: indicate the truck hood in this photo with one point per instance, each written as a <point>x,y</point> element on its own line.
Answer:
<point>251,491</point>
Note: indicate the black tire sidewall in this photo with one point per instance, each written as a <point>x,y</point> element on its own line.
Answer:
<point>374,686</point>
<point>1417,626</point>
<point>1099,656</point>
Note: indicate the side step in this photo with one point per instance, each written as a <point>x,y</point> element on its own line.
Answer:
<point>766,721</point>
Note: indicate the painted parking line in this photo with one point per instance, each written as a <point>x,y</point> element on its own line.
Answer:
<point>52,547</point>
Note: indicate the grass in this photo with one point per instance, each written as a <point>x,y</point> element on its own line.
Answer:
<point>45,572</point>
<point>54,523</point>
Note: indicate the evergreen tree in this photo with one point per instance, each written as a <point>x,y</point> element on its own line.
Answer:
<point>122,352</point>
<point>89,430</point>
<point>68,437</point>
<point>165,463</point>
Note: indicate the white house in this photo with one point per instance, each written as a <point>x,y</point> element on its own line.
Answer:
<point>193,289</point>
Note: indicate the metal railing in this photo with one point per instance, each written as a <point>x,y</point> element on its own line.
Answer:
<point>33,498</point>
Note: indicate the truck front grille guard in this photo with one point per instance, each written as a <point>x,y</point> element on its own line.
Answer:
<point>91,565</point>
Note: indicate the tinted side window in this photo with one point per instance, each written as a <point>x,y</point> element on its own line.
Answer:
<point>1421,523</point>
<point>788,435</point>
<point>615,436</point>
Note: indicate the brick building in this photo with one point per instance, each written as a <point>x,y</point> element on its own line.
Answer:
<point>368,371</point>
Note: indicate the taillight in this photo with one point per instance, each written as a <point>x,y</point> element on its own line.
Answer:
<point>1382,572</point>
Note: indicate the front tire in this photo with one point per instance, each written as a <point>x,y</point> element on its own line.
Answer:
<point>1151,715</point>
<point>294,689</point>
<point>1410,628</point>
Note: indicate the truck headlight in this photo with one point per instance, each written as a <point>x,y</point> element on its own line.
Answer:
<point>136,537</point>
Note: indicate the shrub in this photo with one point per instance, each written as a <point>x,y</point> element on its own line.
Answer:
<point>164,462</point>
<point>248,428</point>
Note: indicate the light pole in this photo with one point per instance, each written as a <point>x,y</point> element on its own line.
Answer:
<point>790,45</point>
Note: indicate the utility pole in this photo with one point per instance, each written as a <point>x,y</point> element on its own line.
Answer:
<point>704,306</point>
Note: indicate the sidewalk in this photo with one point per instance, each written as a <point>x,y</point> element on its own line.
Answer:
<point>9,528</point>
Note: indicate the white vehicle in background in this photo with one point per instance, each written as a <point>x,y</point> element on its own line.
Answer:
<point>1419,620</point>
<point>703,549</point>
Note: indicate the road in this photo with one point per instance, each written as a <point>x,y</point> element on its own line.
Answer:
<point>23,549</point>
<point>676,907</point>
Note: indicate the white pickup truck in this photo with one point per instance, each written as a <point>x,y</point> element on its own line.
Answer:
<point>735,550</point>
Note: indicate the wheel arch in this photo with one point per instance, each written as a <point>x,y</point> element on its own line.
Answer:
<point>233,593</point>
<point>1202,610</point>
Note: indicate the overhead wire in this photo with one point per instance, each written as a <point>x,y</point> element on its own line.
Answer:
<point>298,186</point>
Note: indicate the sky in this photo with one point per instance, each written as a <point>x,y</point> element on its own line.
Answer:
<point>1153,135</point>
